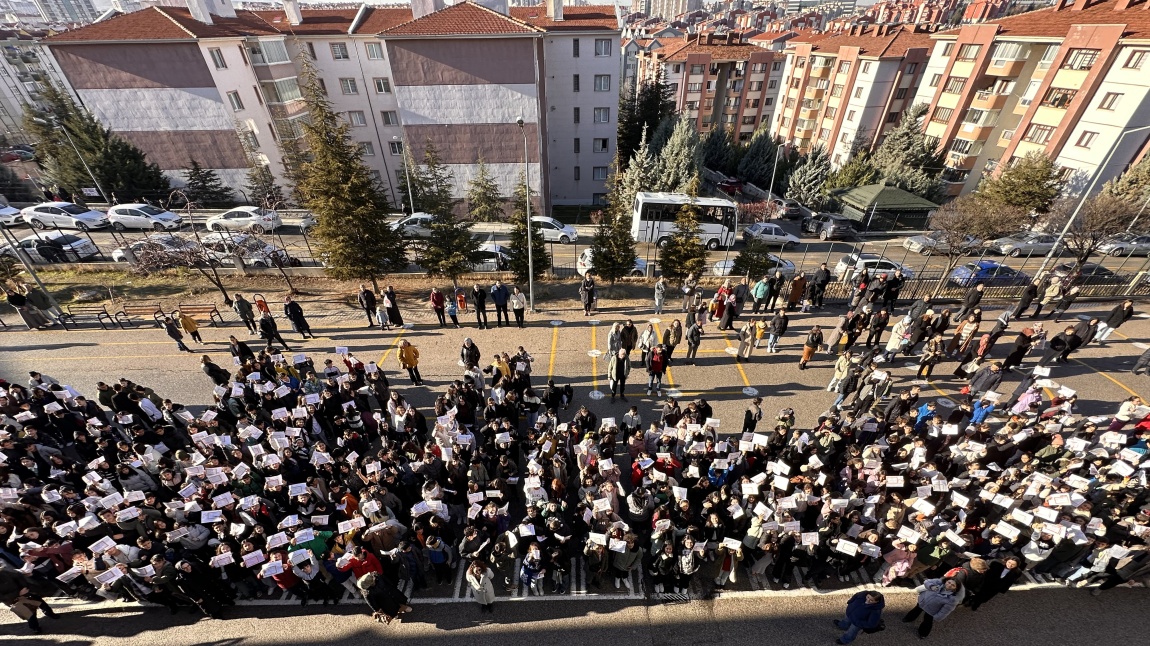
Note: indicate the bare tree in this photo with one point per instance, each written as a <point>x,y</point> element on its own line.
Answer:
<point>959,225</point>
<point>1101,216</point>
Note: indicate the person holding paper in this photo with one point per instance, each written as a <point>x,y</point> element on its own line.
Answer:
<point>937,598</point>
<point>480,579</point>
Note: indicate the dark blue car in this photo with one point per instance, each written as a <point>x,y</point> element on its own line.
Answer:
<point>989,273</point>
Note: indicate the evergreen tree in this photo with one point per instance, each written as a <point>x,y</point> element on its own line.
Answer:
<point>517,242</point>
<point>806,182</point>
<point>759,159</point>
<point>1133,185</point>
<point>412,194</point>
<point>122,169</point>
<point>292,158</point>
<point>450,250</point>
<point>1031,183</point>
<point>437,184</point>
<point>613,248</point>
<point>754,260</point>
<point>354,238</point>
<point>641,111</point>
<point>908,160</point>
<point>684,253</point>
<point>718,149</point>
<point>662,134</point>
<point>859,171</point>
<point>262,189</point>
<point>484,203</point>
<point>639,177</point>
<point>205,188</point>
<point>679,160</point>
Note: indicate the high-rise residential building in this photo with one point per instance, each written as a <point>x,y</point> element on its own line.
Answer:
<point>669,9</point>
<point>67,11</point>
<point>23,72</point>
<point>220,86</point>
<point>850,86</point>
<point>718,79</point>
<point>1069,81</point>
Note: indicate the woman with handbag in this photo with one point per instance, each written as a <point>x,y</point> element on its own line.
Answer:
<point>931,355</point>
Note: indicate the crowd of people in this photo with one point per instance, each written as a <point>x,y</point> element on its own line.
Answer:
<point>312,482</point>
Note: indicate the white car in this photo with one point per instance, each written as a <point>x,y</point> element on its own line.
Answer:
<point>851,264</point>
<point>10,216</point>
<point>142,216</point>
<point>222,247</point>
<point>553,230</point>
<point>53,246</point>
<point>65,215</point>
<point>416,225</point>
<point>164,242</point>
<point>770,234</point>
<point>725,267</point>
<point>585,263</point>
<point>245,218</point>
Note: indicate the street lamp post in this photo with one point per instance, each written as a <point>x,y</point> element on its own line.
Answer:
<point>68,136</point>
<point>527,203</point>
<point>1085,195</point>
<point>407,174</point>
<point>774,167</point>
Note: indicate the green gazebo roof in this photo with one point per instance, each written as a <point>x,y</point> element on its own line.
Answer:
<point>887,198</point>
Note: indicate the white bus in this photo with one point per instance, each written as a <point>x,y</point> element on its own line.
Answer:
<point>654,218</point>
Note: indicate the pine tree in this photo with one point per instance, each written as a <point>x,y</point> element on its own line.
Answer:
<point>908,160</point>
<point>758,160</point>
<point>639,177</point>
<point>437,184</point>
<point>1133,185</point>
<point>517,256</point>
<point>613,248</point>
<point>679,160</point>
<point>484,203</point>
<point>354,238</point>
<point>718,149</point>
<point>262,189</point>
<point>684,253</point>
<point>639,112</point>
<point>1031,183</point>
<point>859,171</point>
<point>450,250</point>
<point>662,134</point>
<point>122,169</point>
<point>754,260</point>
<point>205,189</point>
<point>806,182</point>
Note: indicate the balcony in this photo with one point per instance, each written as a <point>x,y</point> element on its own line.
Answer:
<point>975,131</point>
<point>987,100</point>
<point>821,72</point>
<point>1005,67</point>
<point>813,92</point>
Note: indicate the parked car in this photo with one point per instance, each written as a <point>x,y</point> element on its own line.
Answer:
<point>15,155</point>
<point>784,208</point>
<point>771,234</point>
<point>852,263</point>
<point>142,216</point>
<point>416,225</point>
<point>932,243</point>
<point>585,263</point>
<point>553,230</point>
<point>159,242</point>
<point>222,247</point>
<point>1126,244</point>
<point>724,267</point>
<point>1088,273</point>
<point>1023,244</point>
<point>989,273</point>
<point>307,223</point>
<point>10,216</point>
<point>65,215</point>
<point>53,246</point>
<point>828,226</point>
<point>494,258</point>
<point>731,186</point>
<point>245,218</point>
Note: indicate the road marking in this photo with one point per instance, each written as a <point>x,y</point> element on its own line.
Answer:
<point>394,345</point>
<point>554,343</point>
<point>1099,372</point>
<point>594,360</point>
<point>738,364</point>
<point>670,379</point>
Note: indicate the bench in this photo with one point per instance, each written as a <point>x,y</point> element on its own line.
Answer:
<point>140,309</point>
<point>197,310</point>
<point>98,312</point>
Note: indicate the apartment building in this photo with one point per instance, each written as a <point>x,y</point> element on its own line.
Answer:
<point>850,84</point>
<point>221,86</point>
<point>718,79</point>
<point>23,71</point>
<point>1069,81</point>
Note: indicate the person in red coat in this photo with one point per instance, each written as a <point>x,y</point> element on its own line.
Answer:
<point>287,580</point>
<point>360,563</point>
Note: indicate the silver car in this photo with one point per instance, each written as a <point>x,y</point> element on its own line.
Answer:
<point>934,242</point>
<point>1126,244</point>
<point>1024,244</point>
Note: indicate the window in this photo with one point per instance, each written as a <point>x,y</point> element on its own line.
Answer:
<point>602,115</point>
<point>831,112</point>
<point>1005,52</point>
<point>756,86</point>
<point>851,115</point>
<point>696,69</point>
<point>754,103</point>
<point>367,148</point>
<point>574,82</point>
<point>790,102</point>
<point>692,105</point>
<point>577,169</point>
<point>339,51</point>
<point>396,147</point>
<point>375,51</point>
<point>311,50</point>
<point>576,115</point>
<point>602,46</point>
<point>1038,134</point>
<point>758,67</point>
<point>356,118</point>
<point>599,173</point>
<point>858,92</point>
<point>575,53</point>
<point>900,93</point>
<point>348,86</point>
<point>1028,95</point>
<point>600,145</point>
<point>749,121</point>
<point>322,86</point>
<point>694,87</point>
<point>1080,59</point>
<point>382,85</point>
<point>954,85</point>
<point>389,117</point>
<point>968,52</point>
<point>865,68</point>
<point>1057,97</point>
<point>218,58</point>
<point>602,82</point>
<point>234,99</point>
<point>911,68</point>
<point>1109,100</point>
<point>271,51</point>
<point>1086,139</point>
<point>844,67</point>
<point>837,90</point>
<point>935,80</point>
<point>777,66</point>
<point>942,115</point>
<point>375,176</point>
<point>285,90</point>
<point>772,84</point>
<point>1065,173</point>
<point>575,146</point>
<point>599,199</point>
<point>1135,60</point>
<point>891,117</point>
<point>947,49</point>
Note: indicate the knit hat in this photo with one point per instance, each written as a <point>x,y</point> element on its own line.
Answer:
<point>366,581</point>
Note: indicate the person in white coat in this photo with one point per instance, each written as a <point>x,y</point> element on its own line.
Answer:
<point>479,577</point>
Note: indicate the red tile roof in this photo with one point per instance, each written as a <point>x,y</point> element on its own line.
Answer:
<point>678,51</point>
<point>463,19</point>
<point>146,24</point>
<point>891,45</point>
<point>583,18</point>
<point>1052,22</point>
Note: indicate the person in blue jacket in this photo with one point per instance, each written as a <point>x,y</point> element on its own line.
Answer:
<point>864,612</point>
<point>499,295</point>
